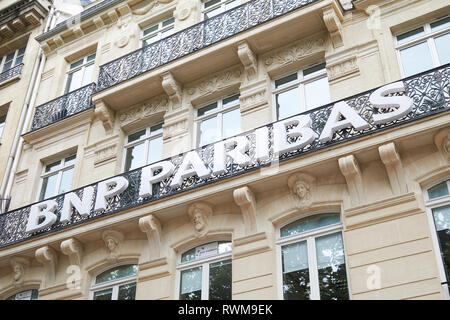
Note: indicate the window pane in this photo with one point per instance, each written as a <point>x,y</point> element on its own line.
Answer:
<point>103,295</point>
<point>231,123</point>
<point>312,70</point>
<point>442,218</point>
<point>166,31</point>
<point>220,280</point>
<point>317,93</point>
<point>156,129</point>
<point>213,12</point>
<point>231,4</point>
<point>151,29</point>
<point>76,64</point>
<point>52,166</point>
<point>439,190</point>
<point>135,157</point>
<point>288,103</point>
<point>136,136</point>
<point>295,271</point>
<point>87,76</point>
<point>155,150</point>
<point>188,256</point>
<point>309,223</point>
<point>48,187</point>
<point>74,81</point>
<point>442,221</point>
<point>405,37</point>
<point>18,61</point>
<point>230,101</point>
<point>66,181</point>
<point>331,267</point>
<point>116,273</point>
<point>25,295</point>
<point>191,284</point>
<point>70,160</point>
<point>91,57</point>
<point>283,81</point>
<point>441,24</point>
<point>127,291</point>
<point>224,247</point>
<point>168,22</point>
<point>207,110</point>
<point>208,131</point>
<point>443,48</point>
<point>211,3</point>
<point>416,59</point>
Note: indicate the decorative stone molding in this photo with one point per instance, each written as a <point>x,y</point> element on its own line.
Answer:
<point>248,60</point>
<point>352,173</point>
<point>104,154</point>
<point>301,187</point>
<point>333,23</point>
<point>144,111</point>
<point>143,7</point>
<point>252,97</point>
<point>342,69</point>
<point>152,227</point>
<point>173,89</point>
<point>391,159</point>
<point>175,127</point>
<point>297,51</point>
<point>48,74</point>
<point>21,176</point>
<point>49,258</point>
<point>442,142</point>
<point>184,9</point>
<point>104,114</point>
<point>199,214</point>
<point>74,249</point>
<point>246,200</point>
<point>112,240</point>
<point>125,32</point>
<point>19,265</point>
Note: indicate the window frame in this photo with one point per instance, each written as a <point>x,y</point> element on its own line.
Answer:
<point>219,113</point>
<point>300,84</point>
<point>24,290</point>
<point>202,262</point>
<point>61,168</point>
<point>221,4</point>
<point>428,38</point>
<point>3,124</point>
<point>309,237</point>
<point>14,60</point>
<point>114,284</point>
<point>159,32</point>
<point>431,204</point>
<point>146,140</point>
<point>83,66</point>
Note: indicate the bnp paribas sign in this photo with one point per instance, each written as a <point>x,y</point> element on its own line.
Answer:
<point>295,136</point>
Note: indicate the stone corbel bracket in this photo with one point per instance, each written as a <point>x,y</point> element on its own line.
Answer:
<point>394,168</point>
<point>442,142</point>
<point>352,173</point>
<point>151,226</point>
<point>248,60</point>
<point>332,18</point>
<point>74,249</point>
<point>173,89</point>
<point>49,258</point>
<point>19,264</point>
<point>104,114</point>
<point>246,200</point>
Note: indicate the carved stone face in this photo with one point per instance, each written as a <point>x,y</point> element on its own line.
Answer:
<point>198,220</point>
<point>18,271</point>
<point>111,244</point>
<point>301,189</point>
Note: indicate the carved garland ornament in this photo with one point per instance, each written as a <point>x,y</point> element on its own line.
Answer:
<point>215,83</point>
<point>156,105</point>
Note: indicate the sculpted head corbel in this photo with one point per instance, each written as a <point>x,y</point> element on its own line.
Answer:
<point>112,240</point>
<point>301,188</point>
<point>199,214</point>
<point>19,264</point>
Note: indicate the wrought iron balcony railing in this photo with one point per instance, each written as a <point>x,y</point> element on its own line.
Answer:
<point>8,74</point>
<point>63,107</point>
<point>194,38</point>
<point>429,92</point>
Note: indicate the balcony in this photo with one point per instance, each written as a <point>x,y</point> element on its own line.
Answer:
<point>428,91</point>
<point>63,107</point>
<point>11,74</point>
<point>192,39</point>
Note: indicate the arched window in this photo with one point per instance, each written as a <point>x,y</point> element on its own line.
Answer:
<point>204,272</point>
<point>438,206</point>
<point>312,259</point>
<point>31,294</point>
<point>118,283</point>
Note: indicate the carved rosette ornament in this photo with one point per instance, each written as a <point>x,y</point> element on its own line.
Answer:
<point>112,241</point>
<point>199,214</point>
<point>184,9</point>
<point>301,187</point>
<point>19,265</point>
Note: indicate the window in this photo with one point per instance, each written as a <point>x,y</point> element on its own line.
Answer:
<point>143,147</point>
<point>57,177</point>
<point>312,259</point>
<point>438,207</point>
<point>205,272</point>
<point>218,120</point>
<point>301,91</point>
<point>214,7</point>
<point>118,283</point>
<point>2,123</point>
<point>80,73</point>
<point>157,31</point>
<point>25,295</point>
<point>12,59</point>
<point>425,47</point>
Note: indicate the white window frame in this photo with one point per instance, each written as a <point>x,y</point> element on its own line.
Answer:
<point>202,262</point>
<point>158,32</point>
<point>62,167</point>
<point>309,236</point>
<point>221,4</point>
<point>146,139</point>
<point>21,291</point>
<point>428,37</point>
<point>75,69</point>
<point>219,113</point>
<point>114,284</point>
<point>300,83</point>
<point>429,206</point>
<point>16,53</point>
<point>2,124</point>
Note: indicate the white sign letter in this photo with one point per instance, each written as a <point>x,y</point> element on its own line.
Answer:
<point>302,129</point>
<point>236,148</point>
<point>46,210</point>
<point>262,144</point>
<point>401,104</point>
<point>71,200</point>
<point>191,165</point>
<point>118,184</point>
<point>149,178</point>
